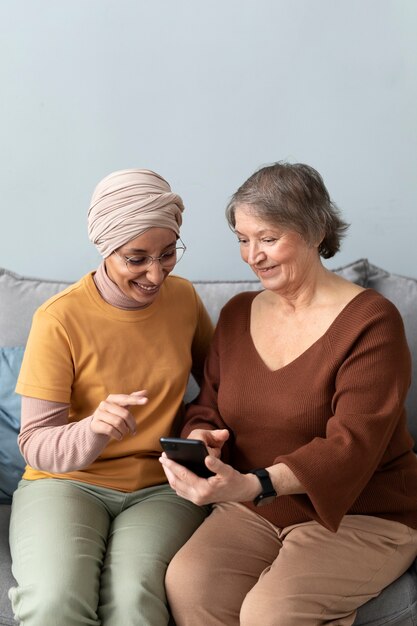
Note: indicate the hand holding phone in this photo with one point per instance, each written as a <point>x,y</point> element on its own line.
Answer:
<point>188,452</point>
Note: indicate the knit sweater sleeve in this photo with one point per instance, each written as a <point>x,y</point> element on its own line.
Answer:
<point>50,443</point>
<point>367,408</point>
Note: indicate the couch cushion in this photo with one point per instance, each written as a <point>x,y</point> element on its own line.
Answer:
<point>20,296</point>
<point>356,272</point>
<point>215,293</point>
<point>11,461</point>
<point>402,291</point>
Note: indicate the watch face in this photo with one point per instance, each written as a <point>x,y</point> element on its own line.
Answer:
<point>261,500</point>
<point>267,500</point>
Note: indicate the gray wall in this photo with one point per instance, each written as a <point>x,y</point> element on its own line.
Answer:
<point>204,92</point>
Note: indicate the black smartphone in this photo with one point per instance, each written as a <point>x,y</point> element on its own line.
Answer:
<point>188,452</point>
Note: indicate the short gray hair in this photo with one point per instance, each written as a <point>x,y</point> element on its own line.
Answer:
<point>292,196</point>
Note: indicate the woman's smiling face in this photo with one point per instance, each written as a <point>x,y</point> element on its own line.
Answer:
<point>280,258</point>
<point>143,284</point>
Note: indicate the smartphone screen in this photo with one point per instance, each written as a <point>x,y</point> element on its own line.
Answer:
<point>188,452</point>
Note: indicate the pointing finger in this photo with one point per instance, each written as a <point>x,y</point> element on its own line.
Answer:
<point>124,399</point>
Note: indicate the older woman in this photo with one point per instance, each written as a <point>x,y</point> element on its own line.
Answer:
<point>94,523</point>
<point>302,409</point>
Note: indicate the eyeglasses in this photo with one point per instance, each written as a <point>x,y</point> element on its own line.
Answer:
<point>141,262</point>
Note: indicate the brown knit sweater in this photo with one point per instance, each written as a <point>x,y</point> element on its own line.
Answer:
<point>335,415</point>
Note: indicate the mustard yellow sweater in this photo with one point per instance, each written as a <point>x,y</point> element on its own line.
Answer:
<point>81,349</point>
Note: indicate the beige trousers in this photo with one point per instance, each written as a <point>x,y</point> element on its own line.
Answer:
<point>238,568</point>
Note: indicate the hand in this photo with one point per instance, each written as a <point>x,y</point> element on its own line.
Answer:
<point>214,439</point>
<point>228,485</point>
<point>111,418</point>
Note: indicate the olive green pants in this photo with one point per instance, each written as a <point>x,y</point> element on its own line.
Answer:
<point>88,555</point>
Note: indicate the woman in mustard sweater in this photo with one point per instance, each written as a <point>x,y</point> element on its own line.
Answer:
<point>302,409</point>
<point>94,522</point>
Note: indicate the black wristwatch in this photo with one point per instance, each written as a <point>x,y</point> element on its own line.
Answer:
<point>268,493</point>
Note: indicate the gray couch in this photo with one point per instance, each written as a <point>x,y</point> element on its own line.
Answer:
<point>20,296</point>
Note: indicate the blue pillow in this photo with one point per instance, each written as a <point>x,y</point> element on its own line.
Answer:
<point>12,463</point>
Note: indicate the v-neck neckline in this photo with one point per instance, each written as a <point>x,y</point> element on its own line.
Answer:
<point>318,341</point>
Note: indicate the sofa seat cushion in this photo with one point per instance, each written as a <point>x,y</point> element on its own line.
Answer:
<point>395,606</point>
<point>6,578</point>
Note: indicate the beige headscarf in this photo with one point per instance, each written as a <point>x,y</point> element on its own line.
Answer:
<point>127,203</point>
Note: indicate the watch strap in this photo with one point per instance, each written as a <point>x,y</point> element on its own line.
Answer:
<point>268,493</point>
